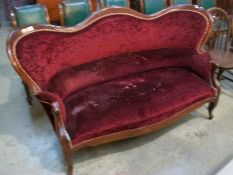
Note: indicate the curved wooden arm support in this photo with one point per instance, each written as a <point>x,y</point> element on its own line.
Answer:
<point>63,136</point>
<point>59,125</point>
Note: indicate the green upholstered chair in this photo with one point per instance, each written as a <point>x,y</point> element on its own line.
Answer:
<point>108,3</point>
<point>152,6</point>
<point>179,2</point>
<point>73,12</point>
<point>206,4</point>
<point>29,15</point>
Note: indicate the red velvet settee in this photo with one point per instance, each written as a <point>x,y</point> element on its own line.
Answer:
<point>119,74</point>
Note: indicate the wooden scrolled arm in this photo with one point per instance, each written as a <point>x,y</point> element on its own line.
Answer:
<point>55,108</point>
<point>63,136</point>
<point>59,126</point>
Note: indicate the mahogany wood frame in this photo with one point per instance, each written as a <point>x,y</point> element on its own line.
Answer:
<point>61,13</point>
<point>13,18</point>
<point>59,127</point>
<point>101,4</point>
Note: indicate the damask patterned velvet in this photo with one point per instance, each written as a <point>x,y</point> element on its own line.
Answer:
<point>63,50</point>
<point>120,72</point>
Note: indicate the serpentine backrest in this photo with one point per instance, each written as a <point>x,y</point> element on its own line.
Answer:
<point>39,52</point>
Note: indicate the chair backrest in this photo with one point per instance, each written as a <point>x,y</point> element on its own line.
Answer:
<point>74,12</point>
<point>221,29</point>
<point>152,6</point>
<point>29,15</point>
<point>206,4</point>
<point>40,52</point>
<point>180,2</point>
<point>108,3</point>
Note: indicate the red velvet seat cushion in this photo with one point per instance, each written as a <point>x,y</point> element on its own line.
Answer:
<point>132,102</point>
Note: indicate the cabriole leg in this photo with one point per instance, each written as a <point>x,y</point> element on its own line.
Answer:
<point>69,162</point>
<point>220,72</point>
<point>28,94</point>
<point>211,108</point>
<point>216,84</point>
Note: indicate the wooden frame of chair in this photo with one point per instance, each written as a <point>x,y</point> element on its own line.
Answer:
<point>226,17</point>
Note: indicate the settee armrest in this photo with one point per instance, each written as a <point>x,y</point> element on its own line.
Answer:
<point>60,130</point>
<point>202,65</point>
<point>55,102</point>
<point>58,112</point>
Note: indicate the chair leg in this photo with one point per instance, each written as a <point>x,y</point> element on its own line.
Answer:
<point>211,108</point>
<point>220,72</point>
<point>28,94</point>
<point>69,162</point>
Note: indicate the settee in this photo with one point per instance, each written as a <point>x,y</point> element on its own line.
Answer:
<point>118,74</point>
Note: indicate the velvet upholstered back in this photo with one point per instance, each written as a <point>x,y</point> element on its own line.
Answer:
<point>152,6</point>
<point>122,3</point>
<point>207,3</point>
<point>30,14</point>
<point>179,2</point>
<point>41,52</point>
<point>74,12</point>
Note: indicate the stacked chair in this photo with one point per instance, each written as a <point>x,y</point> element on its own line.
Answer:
<point>73,12</point>
<point>152,6</point>
<point>108,3</point>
